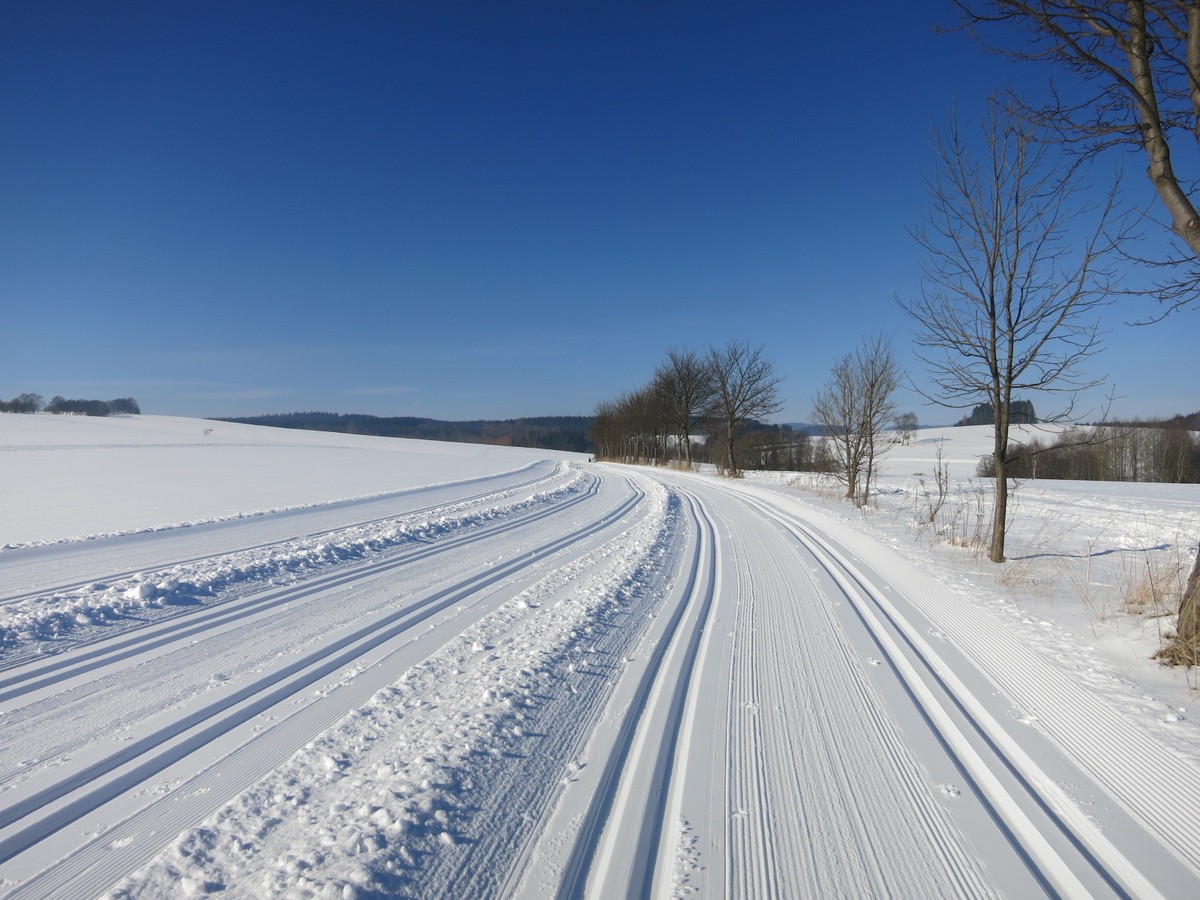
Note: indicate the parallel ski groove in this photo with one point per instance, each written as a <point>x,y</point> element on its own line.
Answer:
<point>588,843</point>
<point>170,562</point>
<point>1096,851</point>
<point>97,863</point>
<point>252,699</point>
<point>42,673</point>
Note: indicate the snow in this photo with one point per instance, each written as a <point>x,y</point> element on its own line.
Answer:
<point>261,662</point>
<point>1076,550</point>
<point>71,477</point>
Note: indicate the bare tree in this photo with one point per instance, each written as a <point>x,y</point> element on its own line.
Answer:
<point>606,429</point>
<point>1006,303</point>
<point>1138,62</point>
<point>906,426</point>
<point>835,410</point>
<point>631,428</point>
<point>685,383</point>
<point>745,387</point>
<point>27,403</point>
<point>854,407</point>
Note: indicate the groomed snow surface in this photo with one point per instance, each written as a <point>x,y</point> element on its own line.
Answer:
<point>268,663</point>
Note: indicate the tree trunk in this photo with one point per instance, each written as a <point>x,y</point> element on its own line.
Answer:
<point>1184,220</point>
<point>1000,511</point>
<point>1185,649</point>
<point>851,469</point>
<point>870,472</point>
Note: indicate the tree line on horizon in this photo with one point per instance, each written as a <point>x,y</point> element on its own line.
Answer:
<point>1160,452</point>
<point>701,406</point>
<point>33,403</point>
<point>709,407</point>
<point>569,433</point>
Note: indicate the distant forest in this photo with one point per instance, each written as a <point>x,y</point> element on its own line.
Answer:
<point>546,433</point>
<point>1021,414</point>
<point>32,403</point>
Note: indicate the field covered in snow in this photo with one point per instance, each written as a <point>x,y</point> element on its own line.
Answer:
<point>275,663</point>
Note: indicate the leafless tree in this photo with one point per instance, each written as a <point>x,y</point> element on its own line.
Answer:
<point>906,426</point>
<point>606,429</point>
<point>745,387</point>
<point>685,383</point>
<point>631,428</point>
<point>854,407</point>
<point>1007,303</point>
<point>1137,63</point>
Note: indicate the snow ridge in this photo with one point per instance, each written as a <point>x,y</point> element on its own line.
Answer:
<point>439,753</point>
<point>46,617</point>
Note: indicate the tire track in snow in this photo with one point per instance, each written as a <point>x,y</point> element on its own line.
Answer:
<point>58,804</point>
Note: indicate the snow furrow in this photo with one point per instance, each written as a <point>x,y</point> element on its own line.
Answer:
<point>163,553</point>
<point>49,672</point>
<point>808,727</point>
<point>617,841</point>
<point>1163,789</point>
<point>449,755</point>
<point>1117,871</point>
<point>158,750</point>
<point>110,601</point>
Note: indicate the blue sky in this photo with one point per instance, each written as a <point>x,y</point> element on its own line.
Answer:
<point>474,209</point>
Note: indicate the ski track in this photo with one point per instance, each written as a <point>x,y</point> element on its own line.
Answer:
<point>30,810</point>
<point>805,725</point>
<point>161,582</point>
<point>584,681</point>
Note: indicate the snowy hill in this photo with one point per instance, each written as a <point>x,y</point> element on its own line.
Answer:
<point>278,663</point>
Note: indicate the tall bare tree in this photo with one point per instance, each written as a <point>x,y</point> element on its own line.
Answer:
<point>685,383</point>
<point>1139,64</point>
<point>854,408</point>
<point>1007,304</point>
<point>745,387</point>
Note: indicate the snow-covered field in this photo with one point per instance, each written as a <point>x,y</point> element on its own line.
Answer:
<point>276,663</point>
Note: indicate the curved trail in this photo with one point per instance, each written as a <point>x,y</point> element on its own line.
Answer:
<point>195,715</point>
<point>762,763</point>
<point>74,564</point>
<point>647,685</point>
<point>812,742</point>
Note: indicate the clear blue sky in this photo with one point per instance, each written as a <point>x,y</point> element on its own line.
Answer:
<point>472,209</point>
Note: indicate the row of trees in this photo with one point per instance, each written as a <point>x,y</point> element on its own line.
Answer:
<point>719,394</point>
<point>1160,453</point>
<point>32,403</point>
<point>723,394</point>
